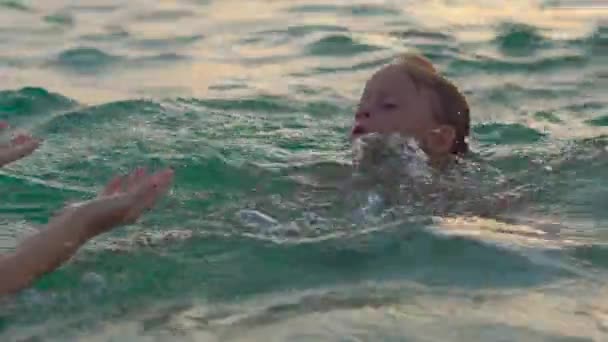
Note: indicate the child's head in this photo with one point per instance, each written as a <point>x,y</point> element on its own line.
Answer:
<point>409,97</point>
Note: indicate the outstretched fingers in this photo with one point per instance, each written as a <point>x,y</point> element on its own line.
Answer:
<point>126,183</point>
<point>148,192</point>
<point>20,146</point>
<point>21,139</point>
<point>153,188</point>
<point>136,179</point>
<point>25,142</point>
<point>138,191</point>
<point>113,187</point>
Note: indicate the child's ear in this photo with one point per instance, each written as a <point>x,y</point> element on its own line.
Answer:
<point>439,141</point>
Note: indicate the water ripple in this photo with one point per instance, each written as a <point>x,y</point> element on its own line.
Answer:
<point>339,45</point>
<point>15,5</point>
<point>251,103</point>
<point>31,101</point>
<point>519,39</point>
<point>86,59</point>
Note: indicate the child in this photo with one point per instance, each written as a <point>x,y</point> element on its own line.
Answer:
<point>122,202</point>
<point>410,98</point>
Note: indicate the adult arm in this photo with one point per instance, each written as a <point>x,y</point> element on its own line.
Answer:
<point>122,202</point>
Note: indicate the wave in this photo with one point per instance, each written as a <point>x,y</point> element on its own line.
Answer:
<point>506,134</point>
<point>85,59</point>
<point>339,45</point>
<point>88,60</point>
<point>32,101</point>
<point>366,10</point>
<point>519,39</point>
<point>84,117</point>
<point>15,5</point>
<point>527,64</point>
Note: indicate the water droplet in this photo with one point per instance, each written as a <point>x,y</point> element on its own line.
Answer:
<point>256,219</point>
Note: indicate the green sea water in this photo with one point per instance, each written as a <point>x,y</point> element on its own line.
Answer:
<point>251,103</point>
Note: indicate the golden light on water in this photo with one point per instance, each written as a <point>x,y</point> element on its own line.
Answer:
<point>239,40</point>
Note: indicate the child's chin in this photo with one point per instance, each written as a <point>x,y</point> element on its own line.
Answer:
<point>373,150</point>
<point>384,140</point>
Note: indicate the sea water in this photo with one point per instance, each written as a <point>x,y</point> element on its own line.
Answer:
<point>269,234</point>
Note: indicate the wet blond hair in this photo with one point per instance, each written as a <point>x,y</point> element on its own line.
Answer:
<point>451,108</point>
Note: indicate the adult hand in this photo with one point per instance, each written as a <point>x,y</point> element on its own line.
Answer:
<point>18,147</point>
<point>123,200</point>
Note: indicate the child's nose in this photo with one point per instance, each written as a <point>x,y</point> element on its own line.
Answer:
<point>362,114</point>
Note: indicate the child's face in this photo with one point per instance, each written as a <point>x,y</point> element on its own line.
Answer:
<point>391,103</point>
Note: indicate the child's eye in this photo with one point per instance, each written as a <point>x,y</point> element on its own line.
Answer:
<point>389,105</point>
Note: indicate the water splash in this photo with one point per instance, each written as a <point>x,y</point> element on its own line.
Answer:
<point>375,152</point>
